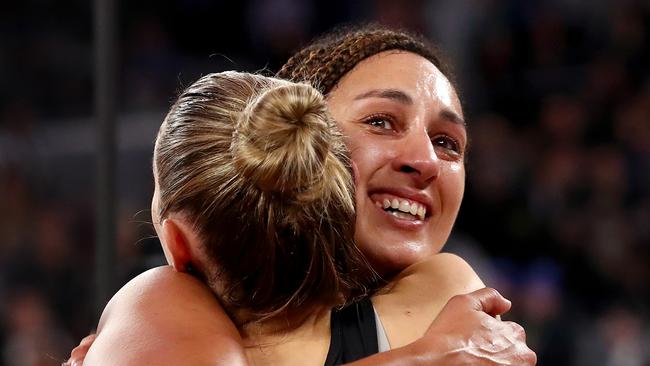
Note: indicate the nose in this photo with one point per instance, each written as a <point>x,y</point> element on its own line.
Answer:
<point>416,157</point>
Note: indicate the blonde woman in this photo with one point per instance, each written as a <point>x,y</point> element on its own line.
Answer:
<point>254,197</point>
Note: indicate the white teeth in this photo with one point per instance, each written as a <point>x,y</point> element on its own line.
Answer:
<point>404,206</point>
<point>414,209</point>
<point>421,212</point>
<point>394,203</point>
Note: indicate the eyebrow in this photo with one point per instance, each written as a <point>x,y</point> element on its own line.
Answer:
<point>401,97</point>
<point>451,116</point>
<point>394,94</point>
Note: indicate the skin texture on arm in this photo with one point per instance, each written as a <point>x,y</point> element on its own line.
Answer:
<point>410,303</point>
<point>165,317</point>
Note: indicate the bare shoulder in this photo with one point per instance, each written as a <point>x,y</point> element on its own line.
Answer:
<point>162,294</point>
<point>159,308</point>
<point>440,276</point>
<point>446,272</point>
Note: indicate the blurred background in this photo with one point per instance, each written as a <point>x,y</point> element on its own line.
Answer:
<point>557,208</point>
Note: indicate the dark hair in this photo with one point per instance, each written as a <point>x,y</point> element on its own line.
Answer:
<point>324,62</point>
<point>260,169</point>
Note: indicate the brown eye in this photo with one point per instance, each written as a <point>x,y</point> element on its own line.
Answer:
<point>380,122</point>
<point>447,143</point>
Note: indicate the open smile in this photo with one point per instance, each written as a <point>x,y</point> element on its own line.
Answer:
<point>403,208</point>
<point>414,207</point>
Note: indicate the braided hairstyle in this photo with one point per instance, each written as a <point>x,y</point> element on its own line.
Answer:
<point>327,59</point>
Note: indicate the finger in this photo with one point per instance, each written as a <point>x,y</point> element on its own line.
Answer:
<point>88,340</point>
<point>78,354</point>
<point>490,301</point>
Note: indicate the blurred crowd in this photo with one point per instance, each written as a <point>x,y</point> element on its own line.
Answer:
<point>557,207</point>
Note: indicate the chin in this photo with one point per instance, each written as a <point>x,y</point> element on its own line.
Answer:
<point>389,260</point>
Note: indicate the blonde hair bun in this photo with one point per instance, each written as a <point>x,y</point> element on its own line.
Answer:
<point>282,140</point>
<point>259,167</point>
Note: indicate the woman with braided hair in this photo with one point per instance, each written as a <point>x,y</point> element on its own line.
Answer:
<point>350,67</point>
<point>396,102</point>
<point>402,122</point>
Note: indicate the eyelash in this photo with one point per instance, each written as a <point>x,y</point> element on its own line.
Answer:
<point>455,149</point>
<point>380,118</point>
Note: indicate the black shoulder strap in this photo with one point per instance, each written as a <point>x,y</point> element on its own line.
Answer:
<point>354,333</point>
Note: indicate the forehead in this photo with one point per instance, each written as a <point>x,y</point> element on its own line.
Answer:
<point>405,71</point>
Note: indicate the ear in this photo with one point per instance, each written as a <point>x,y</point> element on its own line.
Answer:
<point>176,244</point>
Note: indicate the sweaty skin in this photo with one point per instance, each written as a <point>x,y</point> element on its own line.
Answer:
<point>404,127</point>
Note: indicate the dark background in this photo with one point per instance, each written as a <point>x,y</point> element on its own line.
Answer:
<point>557,207</point>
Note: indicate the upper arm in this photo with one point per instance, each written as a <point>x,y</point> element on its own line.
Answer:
<point>167,318</point>
<point>435,279</point>
<point>418,294</point>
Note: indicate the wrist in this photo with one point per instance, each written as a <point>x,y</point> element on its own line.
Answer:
<point>429,350</point>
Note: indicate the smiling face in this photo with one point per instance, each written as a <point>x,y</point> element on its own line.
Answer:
<point>404,127</point>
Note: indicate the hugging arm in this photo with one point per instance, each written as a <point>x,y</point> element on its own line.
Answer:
<point>163,307</point>
<point>164,317</point>
<point>439,312</point>
<point>464,333</point>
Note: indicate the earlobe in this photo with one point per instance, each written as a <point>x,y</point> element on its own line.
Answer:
<point>176,244</point>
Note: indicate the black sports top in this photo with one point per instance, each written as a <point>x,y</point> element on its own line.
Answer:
<point>354,333</point>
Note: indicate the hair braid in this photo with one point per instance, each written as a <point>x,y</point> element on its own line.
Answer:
<point>324,62</point>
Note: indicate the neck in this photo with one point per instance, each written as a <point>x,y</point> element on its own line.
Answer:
<point>280,325</point>
<point>291,338</point>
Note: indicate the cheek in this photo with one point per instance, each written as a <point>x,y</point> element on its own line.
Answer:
<point>455,184</point>
<point>365,162</point>
<point>359,154</point>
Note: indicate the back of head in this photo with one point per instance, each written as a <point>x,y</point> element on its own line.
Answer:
<point>260,169</point>
<point>327,59</point>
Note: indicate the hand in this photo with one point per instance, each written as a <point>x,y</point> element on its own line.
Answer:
<point>78,354</point>
<point>468,332</point>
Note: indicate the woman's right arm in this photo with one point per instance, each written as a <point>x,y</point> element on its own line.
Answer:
<point>465,333</point>
<point>438,312</point>
<point>163,317</point>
